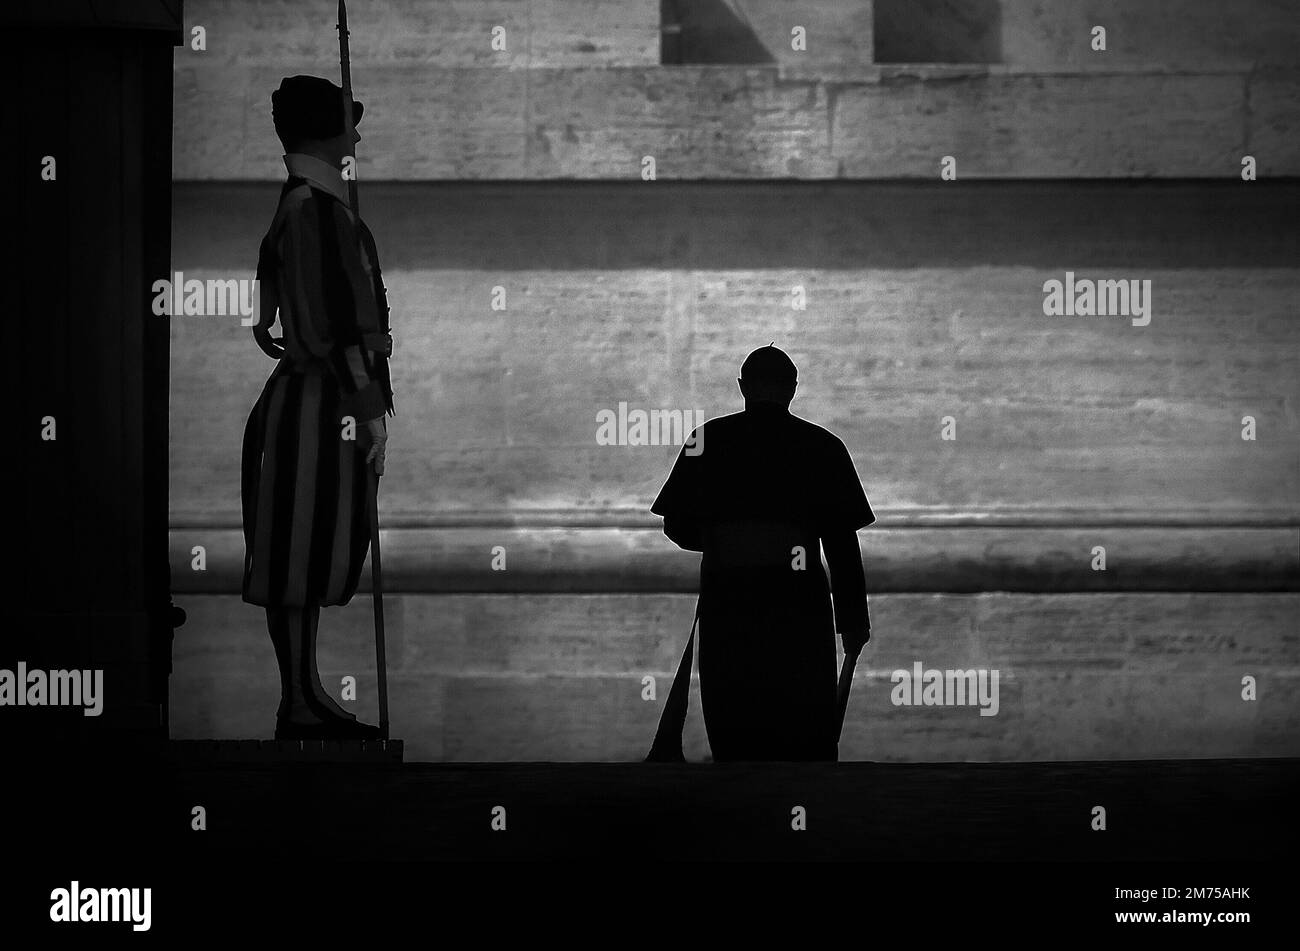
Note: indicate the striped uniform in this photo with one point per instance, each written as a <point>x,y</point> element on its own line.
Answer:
<point>304,486</point>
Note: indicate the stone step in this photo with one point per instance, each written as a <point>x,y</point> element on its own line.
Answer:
<point>611,815</point>
<point>195,753</point>
<point>428,122</point>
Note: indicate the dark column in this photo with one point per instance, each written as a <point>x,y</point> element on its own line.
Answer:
<point>92,91</point>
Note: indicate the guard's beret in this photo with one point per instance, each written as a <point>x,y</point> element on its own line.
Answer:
<point>769,364</point>
<point>309,107</point>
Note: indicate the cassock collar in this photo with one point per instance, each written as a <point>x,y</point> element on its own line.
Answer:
<point>320,173</point>
<point>766,407</point>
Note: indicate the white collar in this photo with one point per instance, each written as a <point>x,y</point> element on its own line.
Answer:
<point>320,173</point>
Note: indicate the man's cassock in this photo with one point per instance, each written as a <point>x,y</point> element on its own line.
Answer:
<point>304,485</point>
<point>766,487</point>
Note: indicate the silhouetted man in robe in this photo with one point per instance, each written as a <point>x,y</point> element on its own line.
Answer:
<point>760,494</point>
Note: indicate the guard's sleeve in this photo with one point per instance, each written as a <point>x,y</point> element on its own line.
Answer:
<point>843,504</point>
<point>680,501</point>
<point>332,302</point>
<point>376,278</point>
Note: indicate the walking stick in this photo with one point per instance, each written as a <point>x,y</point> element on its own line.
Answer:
<point>376,566</point>
<point>667,745</point>
<point>377,597</point>
<point>842,692</point>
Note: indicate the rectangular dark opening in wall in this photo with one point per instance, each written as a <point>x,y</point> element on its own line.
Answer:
<point>938,31</point>
<point>708,31</point>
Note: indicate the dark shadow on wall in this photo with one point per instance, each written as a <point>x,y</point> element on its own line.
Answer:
<point>938,31</point>
<point>708,31</point>
<point>845,224</point>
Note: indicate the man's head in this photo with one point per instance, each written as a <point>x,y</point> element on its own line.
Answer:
<point>308,116</point>
<point>768,376</point>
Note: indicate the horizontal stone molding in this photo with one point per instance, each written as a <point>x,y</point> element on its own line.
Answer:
<point>781,226</point>
<point>895,517</point>
<point>446,556</point>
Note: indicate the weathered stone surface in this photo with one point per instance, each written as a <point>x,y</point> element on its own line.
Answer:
<point>919,306</point>
<point>923,300</point>
<point>593,33</point>
<point>470,123</point>
<point>696,122</point>
<point>1274,120</point>
<point>1057,34</point>
<point>1178,34</point>
<point>431,122</point>
<point>999,124</point>
<point>290,36</point>
<point>561,677</point>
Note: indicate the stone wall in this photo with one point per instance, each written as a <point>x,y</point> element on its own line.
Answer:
<point>578,93</point>
<point>781,176</point>
<point>922,301</point>
<point>1052,35</point>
